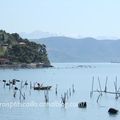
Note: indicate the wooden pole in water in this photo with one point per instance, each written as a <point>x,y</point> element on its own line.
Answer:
<point>24,96</point>
<point>14,94</point>
<point>69,92</point>
<point>9,85</point>
<point>98,97</point>
<point>116,91</point>
<point>21,85</point>
<point>63,98</point>
<point>56,91</point>
<point>67,95</point>
<point>91,93</point>
<point>106,84</point>
<point>99,85</point>
<point>30,88</point>
<point>73,88</point>
<point>4,83</point>
<point>20,95</point>
<point>110,92</point>
<point>46,95</point>
<point>30,85</point>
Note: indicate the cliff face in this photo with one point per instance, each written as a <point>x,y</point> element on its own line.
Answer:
<point>18,50</point>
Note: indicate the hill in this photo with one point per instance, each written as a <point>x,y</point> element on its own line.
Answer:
<point>64,49</point>
<point>17,50</point>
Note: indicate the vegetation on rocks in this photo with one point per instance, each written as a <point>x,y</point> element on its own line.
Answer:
<point>19,50</point>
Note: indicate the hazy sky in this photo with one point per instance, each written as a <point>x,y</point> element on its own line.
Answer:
<point>71,17</point>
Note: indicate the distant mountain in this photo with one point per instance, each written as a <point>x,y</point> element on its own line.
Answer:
<point>65,49</point>
<point>106,38</point>
<point>36,35</point>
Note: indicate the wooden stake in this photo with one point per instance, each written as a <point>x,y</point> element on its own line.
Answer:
<point>99,85</point>
<point>73,88</point>
<point>56,91</point>
<point>91,93</point>
<point>106,84</point>
<point>98,97</point>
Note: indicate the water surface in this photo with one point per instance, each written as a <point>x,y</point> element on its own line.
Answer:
<point>64,75</point>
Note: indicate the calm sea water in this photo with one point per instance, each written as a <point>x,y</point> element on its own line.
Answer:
<point>64,75</point>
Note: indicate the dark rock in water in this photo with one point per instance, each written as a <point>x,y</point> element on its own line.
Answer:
<point>112,111</point>
<point>7,84</point>
<point>17,80</point>
<point>26,83</point>
<point>16,88</point>
<point>13,82</point>
<point>4,80</point>
<point>82,105</point>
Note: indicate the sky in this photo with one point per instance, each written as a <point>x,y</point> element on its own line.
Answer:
<point>69,17</point>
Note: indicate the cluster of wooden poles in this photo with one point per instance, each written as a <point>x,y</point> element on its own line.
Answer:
<point>66,95</point>
<point>18,85</point>
<point>13,84</point>
<point>105,90</point>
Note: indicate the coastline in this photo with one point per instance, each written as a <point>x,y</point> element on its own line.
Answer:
<point>24,66</point>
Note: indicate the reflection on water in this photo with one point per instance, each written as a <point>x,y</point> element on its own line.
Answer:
<point>64,75</point>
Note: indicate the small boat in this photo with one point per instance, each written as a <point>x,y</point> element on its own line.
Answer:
<point>42,88</point>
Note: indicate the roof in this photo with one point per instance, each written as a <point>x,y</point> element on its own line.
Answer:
<point>4,59</point>
<point>22,43</point>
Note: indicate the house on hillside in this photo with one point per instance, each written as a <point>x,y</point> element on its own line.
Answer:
<point>5,46</point>
<point>4,61</point>
<point>22,43</point>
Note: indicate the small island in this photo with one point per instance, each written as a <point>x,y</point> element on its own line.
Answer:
<point>16,52</point>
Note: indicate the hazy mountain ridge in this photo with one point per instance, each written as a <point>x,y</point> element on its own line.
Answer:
<point>65,49</point>
<point>36,35</point>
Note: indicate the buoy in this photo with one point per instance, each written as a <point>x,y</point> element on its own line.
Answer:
<point>26,83</point>
<point>4,81</point>
<point>17,80</point>
<point>7,84</point>
<point>16,88</point>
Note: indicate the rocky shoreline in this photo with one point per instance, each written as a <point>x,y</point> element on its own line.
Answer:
<point>24,65</point>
